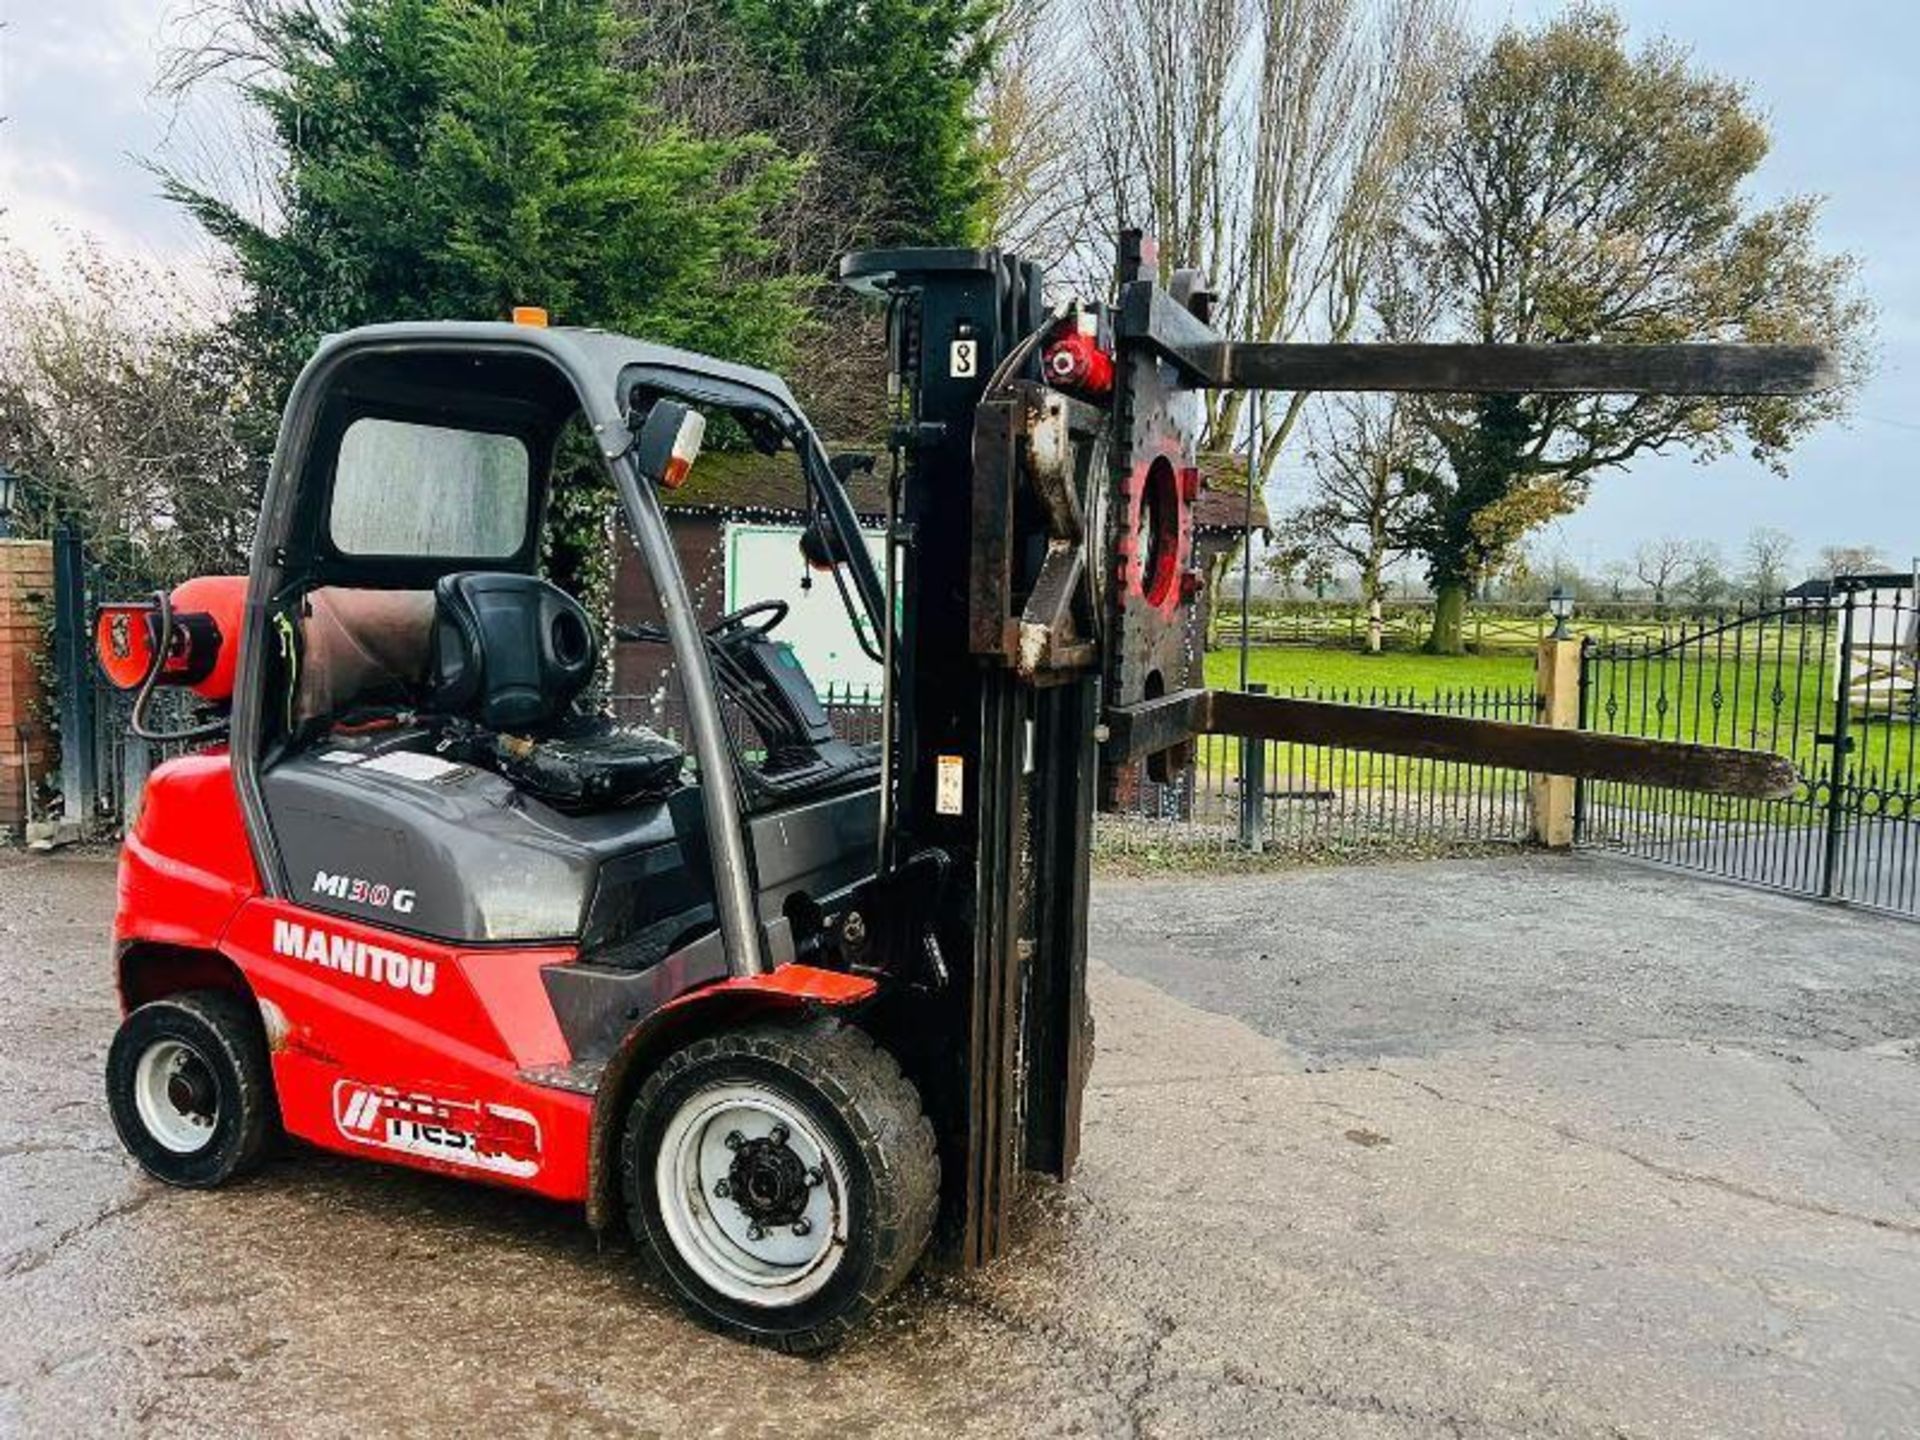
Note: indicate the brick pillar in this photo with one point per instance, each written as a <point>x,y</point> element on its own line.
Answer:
<point>26,590</point>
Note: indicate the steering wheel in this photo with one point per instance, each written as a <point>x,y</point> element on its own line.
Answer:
<point>725,628</point>
<point>736,622</point>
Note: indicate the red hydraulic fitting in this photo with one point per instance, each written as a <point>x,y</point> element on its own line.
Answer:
<point>1074,361</point>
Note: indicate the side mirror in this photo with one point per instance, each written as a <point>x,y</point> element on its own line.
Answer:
<point>818,546</point>
<point>669,443</point>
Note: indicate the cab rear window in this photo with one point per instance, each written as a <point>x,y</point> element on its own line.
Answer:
<point>401,488</point>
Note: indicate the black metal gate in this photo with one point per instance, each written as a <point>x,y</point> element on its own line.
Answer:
<point>1826,678</point>
<point>103,765</point>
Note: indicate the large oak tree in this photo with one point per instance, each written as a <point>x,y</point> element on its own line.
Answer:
<point>1582,192</point>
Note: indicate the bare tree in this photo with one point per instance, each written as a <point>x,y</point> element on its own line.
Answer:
<point>1290,566</point>
<point>126,418</point>
<point>1363,452</point>
<point>702,78</point>
<point>1268,144</point>
<point>1769,555</point>
<point>1615,577</point>
<point>1703,579</point>
<point>230,39</point>
<point>1529,575</point>
<point>1659,563</point>
<point>212,52</point>
<point>1047,200</point>
<point>1851,559</point>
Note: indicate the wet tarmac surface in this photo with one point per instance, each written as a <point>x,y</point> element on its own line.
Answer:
<point>1523,1146</point>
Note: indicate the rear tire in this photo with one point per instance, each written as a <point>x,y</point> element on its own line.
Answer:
<point>783,1178</point>
<point>190,1088</point>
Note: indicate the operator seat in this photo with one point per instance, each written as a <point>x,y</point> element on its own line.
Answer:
<point>511,654</point>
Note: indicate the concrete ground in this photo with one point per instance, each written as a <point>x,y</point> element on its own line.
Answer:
<point>1532,1145</point>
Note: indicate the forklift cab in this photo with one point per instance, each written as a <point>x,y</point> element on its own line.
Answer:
<point>417,743</point>
<point>433,904</point>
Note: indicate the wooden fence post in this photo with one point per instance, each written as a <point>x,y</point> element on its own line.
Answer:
<point>1556,704</point>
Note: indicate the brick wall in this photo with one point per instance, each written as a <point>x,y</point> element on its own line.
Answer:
<point>26,587</point>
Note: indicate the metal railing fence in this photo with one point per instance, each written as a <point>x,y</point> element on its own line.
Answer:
<point>1283,796</point>
<point>1829,682</point>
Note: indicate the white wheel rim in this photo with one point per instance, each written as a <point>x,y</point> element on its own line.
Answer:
<point>714,1231</point>
<point>158,1078</point>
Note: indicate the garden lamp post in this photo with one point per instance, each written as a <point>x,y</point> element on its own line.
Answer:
<point>1560,606</point>
<point>9,486</point>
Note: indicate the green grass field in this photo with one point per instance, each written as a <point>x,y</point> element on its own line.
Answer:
<point>1776,700</point>
<point>1395,677</point>
<point>1292,669</point>
<point>1338,625</point>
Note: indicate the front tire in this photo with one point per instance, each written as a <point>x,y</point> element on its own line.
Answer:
<point>783,1178</point>
<point>190,1088</point>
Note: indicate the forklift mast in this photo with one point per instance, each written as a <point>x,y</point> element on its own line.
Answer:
<point>1040,549</point>
<point>994,774</point>
<point>1041,546</point>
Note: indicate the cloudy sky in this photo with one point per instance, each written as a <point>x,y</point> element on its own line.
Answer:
<point>76,86</point>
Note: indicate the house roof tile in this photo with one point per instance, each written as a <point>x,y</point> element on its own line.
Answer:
<point>736,483</point>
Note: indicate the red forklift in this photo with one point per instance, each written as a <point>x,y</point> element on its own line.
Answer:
<point>784,1005</point>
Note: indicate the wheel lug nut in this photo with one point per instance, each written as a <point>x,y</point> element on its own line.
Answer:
<point>735,1140</point>
<point>756,1232</point>
<point>779,1136</point>
<point>803,1226</point>
<point>814,1177</point>
<point>722,1190</point>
